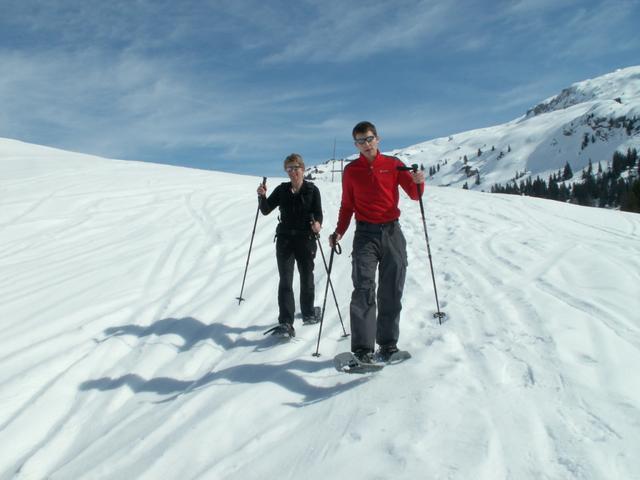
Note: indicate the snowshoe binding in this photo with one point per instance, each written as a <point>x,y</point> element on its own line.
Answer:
<point>358,362</point>
<point>284,330</point>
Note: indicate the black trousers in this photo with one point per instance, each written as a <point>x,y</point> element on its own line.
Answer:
<point>382,248</point>
<point>301,250</point>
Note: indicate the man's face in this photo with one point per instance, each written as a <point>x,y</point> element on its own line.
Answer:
<point>367,143</point>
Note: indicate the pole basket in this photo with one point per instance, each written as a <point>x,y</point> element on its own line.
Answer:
<point>440,316</point>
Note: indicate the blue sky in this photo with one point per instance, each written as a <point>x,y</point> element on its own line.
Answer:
<point>236,85</point>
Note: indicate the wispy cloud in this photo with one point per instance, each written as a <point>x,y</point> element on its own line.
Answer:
<point>529,7</point>
<point>572,29</point>
<point>245,80</point>
<point>339,33</point>
<point>126,104</point>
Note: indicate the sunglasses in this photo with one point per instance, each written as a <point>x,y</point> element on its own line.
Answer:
<point>362,141</point>
<point>292,168</point>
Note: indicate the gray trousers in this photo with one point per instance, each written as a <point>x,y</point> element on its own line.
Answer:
<point>383,248</point>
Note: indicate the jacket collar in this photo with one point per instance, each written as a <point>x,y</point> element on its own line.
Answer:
<point>362,159</point>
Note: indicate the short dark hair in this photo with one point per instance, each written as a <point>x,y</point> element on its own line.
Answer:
<point>364,127</point>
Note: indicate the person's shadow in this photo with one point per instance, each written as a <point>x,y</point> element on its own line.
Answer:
<point>281,374</point>
<point>193,331</point>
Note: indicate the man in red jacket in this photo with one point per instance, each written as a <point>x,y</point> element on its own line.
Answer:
<point>370,191</point>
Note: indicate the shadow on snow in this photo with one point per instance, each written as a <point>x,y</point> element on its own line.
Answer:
<point>280,374</point>
<point>193,331</point>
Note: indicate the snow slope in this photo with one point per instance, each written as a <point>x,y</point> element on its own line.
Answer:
<point>124,353</point>
<point>540,142</point>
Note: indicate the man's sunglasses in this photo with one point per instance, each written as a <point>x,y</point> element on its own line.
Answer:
<point>362,141</point>
<point>292,168</point>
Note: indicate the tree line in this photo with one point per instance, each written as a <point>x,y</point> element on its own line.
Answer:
<point>616,186</point>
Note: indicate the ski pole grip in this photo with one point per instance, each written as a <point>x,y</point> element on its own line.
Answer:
<point>313,220</point>
<point>336,246</point>
<point>412,168</point>
<point>264,185</point>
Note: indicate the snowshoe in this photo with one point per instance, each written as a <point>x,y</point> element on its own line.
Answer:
<point>362,362</point>
<point>284,330</point>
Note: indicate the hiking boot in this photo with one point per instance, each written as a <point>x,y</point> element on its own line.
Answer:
<point>313,317</point>
<point>288,329</point>
<point>364,356</point>
<point>310,319</point>
<point>385,351</point>
<point>284,330</point>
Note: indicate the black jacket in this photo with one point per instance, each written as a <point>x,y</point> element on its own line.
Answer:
<point>296,209</point>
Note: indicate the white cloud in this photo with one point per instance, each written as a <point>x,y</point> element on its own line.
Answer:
<point>337,33</point>
<point>123,78</point>
<point>566,29</point>
<point>529,7</point>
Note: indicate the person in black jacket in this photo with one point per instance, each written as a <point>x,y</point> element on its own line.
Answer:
<point>300,221</point>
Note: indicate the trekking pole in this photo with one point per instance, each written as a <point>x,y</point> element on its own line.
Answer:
<point>439,315</point>
<point>324,260</point>
<point>334,249</point>
<point>240,299</point>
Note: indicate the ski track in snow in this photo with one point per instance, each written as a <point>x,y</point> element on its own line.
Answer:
<point>126,355</point>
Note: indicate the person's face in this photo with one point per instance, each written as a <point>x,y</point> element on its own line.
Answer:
<point>367,143</point>
<point>295,171</point>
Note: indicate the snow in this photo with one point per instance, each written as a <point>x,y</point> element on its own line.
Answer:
<point>539,143</point>
<point>124,353</point>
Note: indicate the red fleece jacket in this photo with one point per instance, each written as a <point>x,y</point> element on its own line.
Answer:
<point>371,191</point>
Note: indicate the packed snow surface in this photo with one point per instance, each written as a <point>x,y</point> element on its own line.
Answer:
<point>124,352</point>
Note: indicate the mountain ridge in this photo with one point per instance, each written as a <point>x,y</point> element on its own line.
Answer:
<point>604,110</point>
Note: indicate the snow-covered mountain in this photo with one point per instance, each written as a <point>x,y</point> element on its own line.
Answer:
<point>589,120</point>
<point>125,355</point>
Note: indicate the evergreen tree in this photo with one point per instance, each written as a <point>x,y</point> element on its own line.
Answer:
<point>580,195</point>
<point>591,184</point>
<point>585,141</point>
<point>554,190</point>
<point>603,191</point>
<point>618,164</point>
<point>567,173</point>
<point>630,201</point>
<point>606,189</point>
